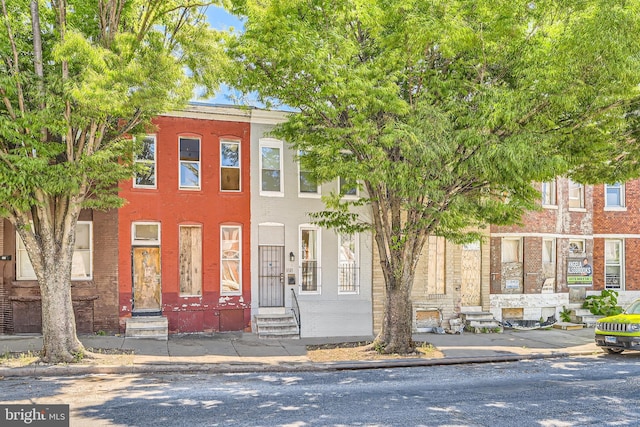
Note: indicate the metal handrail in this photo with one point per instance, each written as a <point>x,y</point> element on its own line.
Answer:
<point>295,307</point>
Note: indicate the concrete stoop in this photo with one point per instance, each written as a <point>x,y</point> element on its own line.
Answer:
<point>277,326</point>
<point>152,327</point>
<point>479,321</point>
<point>584,316</point>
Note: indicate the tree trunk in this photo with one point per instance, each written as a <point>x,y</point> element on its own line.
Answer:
<point>60,342</point>
<point>396,333</point>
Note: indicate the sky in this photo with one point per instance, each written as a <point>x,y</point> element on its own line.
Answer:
<point>220,19</point>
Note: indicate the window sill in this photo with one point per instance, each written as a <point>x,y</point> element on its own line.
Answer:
<point>309,195</point>
<point>271,194</point>
<point>577,209</point>
<point>550,207</point>
<point>615,209</point>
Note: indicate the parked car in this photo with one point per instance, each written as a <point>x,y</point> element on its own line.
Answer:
<point>615,334</point>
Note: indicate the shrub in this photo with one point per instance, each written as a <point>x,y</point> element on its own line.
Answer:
<point>605,304</point>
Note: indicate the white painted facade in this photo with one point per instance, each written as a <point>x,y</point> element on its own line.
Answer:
<point>279,219</point>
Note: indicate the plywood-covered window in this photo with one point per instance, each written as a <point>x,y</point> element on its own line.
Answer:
<point>230,166</point>
<point>230,260</point>
<point>436,269</point>
<point>576,195</point>
<point>190,260</point>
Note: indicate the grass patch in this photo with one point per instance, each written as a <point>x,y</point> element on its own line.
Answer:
<point>361,350</point>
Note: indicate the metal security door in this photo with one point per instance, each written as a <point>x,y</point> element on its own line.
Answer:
<point>271,276</point>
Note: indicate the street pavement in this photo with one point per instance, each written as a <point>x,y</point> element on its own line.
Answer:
<point>245,352</point>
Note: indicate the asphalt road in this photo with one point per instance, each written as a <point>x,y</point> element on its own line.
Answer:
<point>587,391</point>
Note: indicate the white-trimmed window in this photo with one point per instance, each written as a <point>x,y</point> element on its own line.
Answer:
<point>81,261</point>
<point>307,184</point>
<point>230,260</point>
<point>576,195</point>
<point>548,190</point>
<point>229,166</point>
<point>549,251</point>
<point>271,179</point>
<point>189,149</point>
<point>614,195</point>
<point>576,246</point>
<point>190,260</point>
<point>613,264</point>
<point>145,234</point>
<point>309,259</point>
<point>347,188</point>
<point>348,264</point>
<point>511,249</point>
<point>146,178</point>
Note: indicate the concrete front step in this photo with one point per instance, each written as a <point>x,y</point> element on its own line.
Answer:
<point>277,326</point>
<point>155,327</point>
<point>479,316</point>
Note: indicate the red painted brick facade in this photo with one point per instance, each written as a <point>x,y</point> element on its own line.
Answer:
<point>208,207</point>
<point>618,224</point>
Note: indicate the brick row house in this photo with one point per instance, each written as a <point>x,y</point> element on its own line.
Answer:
<point>574,246</point>
<point>184,249</point>
<point>216,235</point>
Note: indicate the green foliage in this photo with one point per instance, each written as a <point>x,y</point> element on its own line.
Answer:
<point>605,304</point>
<point>565,314</point>
<point>445,112</point>
<point>77,82</point>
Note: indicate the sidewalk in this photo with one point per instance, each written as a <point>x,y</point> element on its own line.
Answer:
<point>244,352</point>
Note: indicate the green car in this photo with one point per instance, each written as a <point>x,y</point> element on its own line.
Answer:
<point>621,332</point>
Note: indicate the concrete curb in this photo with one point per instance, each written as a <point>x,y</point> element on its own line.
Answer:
<point>242,368</point>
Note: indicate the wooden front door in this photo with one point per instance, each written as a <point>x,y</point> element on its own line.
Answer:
<point>471,263</point>
<point>147,289</point>
<point>271,276</point>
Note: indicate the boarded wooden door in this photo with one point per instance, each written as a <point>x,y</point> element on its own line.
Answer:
<point>271,278</point>
<point>146,279</point>
<point>471,264</point>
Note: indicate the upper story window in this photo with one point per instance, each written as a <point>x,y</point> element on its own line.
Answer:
<point>348,188</point>
<point>548,190</point>
<point>307,184</point>
<point>230,166</point>
<point>348,266</point>
<point>145,160</point>
<point>576,195</point>
<point>81,261</point>
<point>189,163</point>
<point>614,195</point>
<point>271,168</point>
<point>511,249</point>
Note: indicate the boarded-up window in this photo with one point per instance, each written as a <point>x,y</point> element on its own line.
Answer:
<point>436,267</point>
<point>230,166</point>
<point>230,260</point>
<point>190,260</point>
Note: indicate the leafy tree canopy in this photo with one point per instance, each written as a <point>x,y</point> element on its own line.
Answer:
<point>446,111</point>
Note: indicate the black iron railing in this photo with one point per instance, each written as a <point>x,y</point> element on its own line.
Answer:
<point>348,278</point>
<point>295,308</point>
